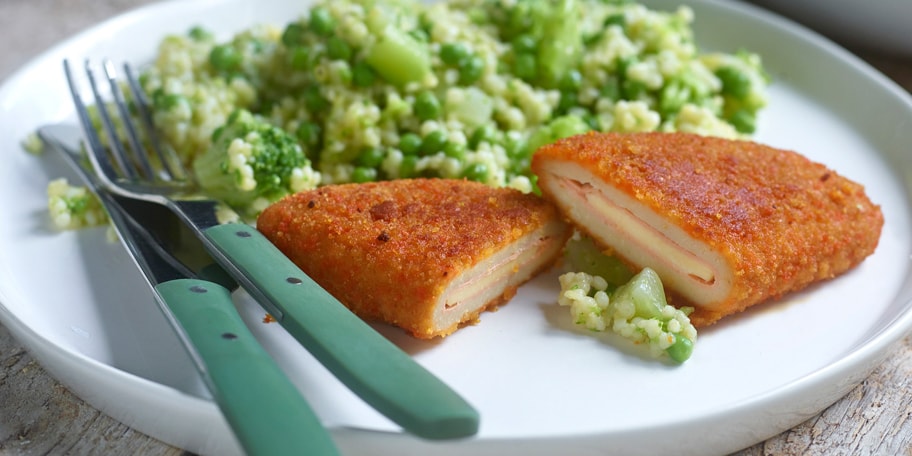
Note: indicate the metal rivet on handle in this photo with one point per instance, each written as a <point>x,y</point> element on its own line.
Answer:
<point>198,289</point>
<point>243,234</point>
<point>229,336</point>
<point>293,280</point>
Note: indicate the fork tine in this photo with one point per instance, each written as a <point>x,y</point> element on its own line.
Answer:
<point>96,148</point>
<point>171,164</point>
<point>132,136</point>
<point>117,148</point>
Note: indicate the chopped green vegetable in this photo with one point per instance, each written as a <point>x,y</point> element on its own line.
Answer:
<point>636,310</point>
<point>583,255</point>
<point>398,58</point>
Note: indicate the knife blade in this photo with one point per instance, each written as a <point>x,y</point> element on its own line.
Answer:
<point>264,409</point>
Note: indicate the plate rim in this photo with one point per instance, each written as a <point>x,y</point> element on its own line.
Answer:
<point>868,354</point>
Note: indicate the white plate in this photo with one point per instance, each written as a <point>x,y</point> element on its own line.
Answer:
<point>878,25</point>
<point>76,301</point>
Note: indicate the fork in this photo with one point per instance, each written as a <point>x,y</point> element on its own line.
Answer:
<point>371,366</point>
<point>265,411</point>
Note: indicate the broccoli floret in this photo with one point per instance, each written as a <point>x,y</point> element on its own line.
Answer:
<point>636,310</point>
<point>73,207</point>
<point>252,164</point>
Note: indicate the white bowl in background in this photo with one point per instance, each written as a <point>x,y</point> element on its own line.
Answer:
<point>878,25</point>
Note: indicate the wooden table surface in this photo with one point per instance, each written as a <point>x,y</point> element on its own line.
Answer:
<point>40,416</point>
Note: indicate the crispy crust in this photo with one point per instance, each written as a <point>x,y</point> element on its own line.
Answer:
<point>388,250</point>
<point>780,221</point>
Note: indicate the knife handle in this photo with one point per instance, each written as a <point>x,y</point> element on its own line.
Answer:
<point>370,365</point>
<point>264,409</point>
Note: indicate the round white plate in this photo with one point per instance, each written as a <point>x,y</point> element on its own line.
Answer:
<point>542,387</point>
<point>877,25</point>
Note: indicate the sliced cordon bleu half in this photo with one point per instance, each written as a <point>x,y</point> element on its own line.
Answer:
<point>427,255</point>
<point>726,223</point>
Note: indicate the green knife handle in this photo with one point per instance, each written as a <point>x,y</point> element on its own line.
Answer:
<point>264,409</point>
<point>371,366</point>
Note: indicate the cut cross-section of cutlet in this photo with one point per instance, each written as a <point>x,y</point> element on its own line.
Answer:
<point>426,255</point>
<point>725,223</point>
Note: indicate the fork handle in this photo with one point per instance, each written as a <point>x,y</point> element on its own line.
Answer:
<point>370,365</point>
<point>264,409</point>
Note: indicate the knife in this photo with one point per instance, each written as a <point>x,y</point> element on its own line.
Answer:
<point>264,409</point>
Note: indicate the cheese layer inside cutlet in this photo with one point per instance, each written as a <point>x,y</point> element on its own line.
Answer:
<point>639,235</point>
<point>495,279</point>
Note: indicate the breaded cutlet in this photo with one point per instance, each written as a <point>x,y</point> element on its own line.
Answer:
<point>726,223</point>
<point>426,255</point>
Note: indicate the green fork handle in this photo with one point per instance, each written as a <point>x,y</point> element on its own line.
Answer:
<point>371,366</point>
<point>264,409</point>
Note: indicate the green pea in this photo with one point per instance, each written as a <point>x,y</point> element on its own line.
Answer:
<point>362,174</point>
<point>570,81</point>
<point>314,100</point>
<point>293,34</point>
<point>477,172</point>
<point>419,35</point>
<point>338,49</point>
<point>144,79</point>
<point>514,146</point>
<point>225,58</point>
<point>408,166</point>
<point>525,66</point>
<point>363,75</point>
<point>308,133</point>
<point>370,157</point>
<point>409,143</point>
<point>321,21</point>
<point>301,58</point>
<point>524,43</point>
<point>743,120</point>
<point>427,106</point>
<point>632,90</point>
<point>433,142</point>
<point>198,33</point>
<point>590,120</point>
<point>615,19</point>
<point>623,63</point>
<point>470,70</point>
<point>233,117</point>
<point>167,101</point>
<point>477,15</point>
<point>485,133</point>
<point>216,133</point>
<point>455,150</point>
<point>734,82</point>
<point>453,53</point>
<point>681,349</point>
<point>567,100</point>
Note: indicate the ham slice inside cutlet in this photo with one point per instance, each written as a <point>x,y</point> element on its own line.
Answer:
<point>725,223</point>
<point>426,255</point>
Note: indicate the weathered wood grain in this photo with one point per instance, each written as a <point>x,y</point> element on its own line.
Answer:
<point>39,416</point>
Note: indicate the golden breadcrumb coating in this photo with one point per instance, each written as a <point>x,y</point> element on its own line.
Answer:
<point>779,220</point>
<point>388,250</point>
